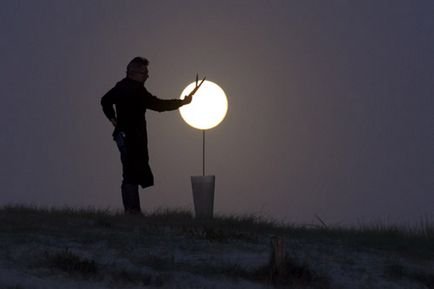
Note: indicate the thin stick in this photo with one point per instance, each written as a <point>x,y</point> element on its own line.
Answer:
<point>321,221</point>
<point>203,152</point>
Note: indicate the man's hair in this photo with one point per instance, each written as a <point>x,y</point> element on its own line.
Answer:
<point>137,64</point>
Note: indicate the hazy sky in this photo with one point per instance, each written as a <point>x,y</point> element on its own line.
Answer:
<point>331,104</point>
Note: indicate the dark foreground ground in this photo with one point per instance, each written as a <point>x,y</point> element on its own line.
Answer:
<point>65,248</point>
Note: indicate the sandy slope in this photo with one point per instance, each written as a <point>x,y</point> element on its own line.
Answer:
<point>150,256</point>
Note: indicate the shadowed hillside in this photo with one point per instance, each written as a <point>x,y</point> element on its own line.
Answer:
<point>67,248</point>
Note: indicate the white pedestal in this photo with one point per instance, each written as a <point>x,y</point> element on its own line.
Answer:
<point>203,196</point>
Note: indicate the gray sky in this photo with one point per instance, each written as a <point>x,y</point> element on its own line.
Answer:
<point>331,107</point>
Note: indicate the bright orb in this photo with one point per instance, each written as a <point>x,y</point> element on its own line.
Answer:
<point>208,108</point>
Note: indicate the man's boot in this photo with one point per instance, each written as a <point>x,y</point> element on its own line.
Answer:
<point>130,198</point>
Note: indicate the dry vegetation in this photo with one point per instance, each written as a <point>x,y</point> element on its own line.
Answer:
<point>153,250</point>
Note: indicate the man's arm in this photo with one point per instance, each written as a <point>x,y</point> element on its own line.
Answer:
<point>107,102</point>
<point>160,105</point>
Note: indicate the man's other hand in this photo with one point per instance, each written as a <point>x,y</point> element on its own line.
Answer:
<point>113,121</point>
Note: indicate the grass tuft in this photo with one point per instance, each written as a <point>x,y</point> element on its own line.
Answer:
<point>399,272</point>
<point>71,263</point>
<point>144,279</point>
<point>290,274</point>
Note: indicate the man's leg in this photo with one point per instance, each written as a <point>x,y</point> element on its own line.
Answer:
<point>130,198</point>
<point>129,187</point>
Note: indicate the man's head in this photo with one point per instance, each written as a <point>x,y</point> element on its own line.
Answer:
<point>137,69</point>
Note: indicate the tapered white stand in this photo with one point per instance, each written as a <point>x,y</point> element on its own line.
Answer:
<point>203,196</point>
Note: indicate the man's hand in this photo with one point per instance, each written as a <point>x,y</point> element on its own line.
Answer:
<point>187,99</point>
<point>113,121</point>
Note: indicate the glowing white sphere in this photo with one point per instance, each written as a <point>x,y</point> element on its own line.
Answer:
<point>208,108</point>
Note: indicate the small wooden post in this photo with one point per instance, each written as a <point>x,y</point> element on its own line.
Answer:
<point>277,257</point>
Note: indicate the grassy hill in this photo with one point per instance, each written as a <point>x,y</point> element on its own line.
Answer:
<point>67,248</point>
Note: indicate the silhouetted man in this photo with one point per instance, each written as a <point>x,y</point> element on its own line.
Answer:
<point>131,100</point>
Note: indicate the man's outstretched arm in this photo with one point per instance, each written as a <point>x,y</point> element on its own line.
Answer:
<point>160,105</point>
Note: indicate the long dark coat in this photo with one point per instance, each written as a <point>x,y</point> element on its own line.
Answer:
<point>131,100</point>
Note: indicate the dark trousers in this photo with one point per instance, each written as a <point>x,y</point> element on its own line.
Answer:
<point>129,187</point>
